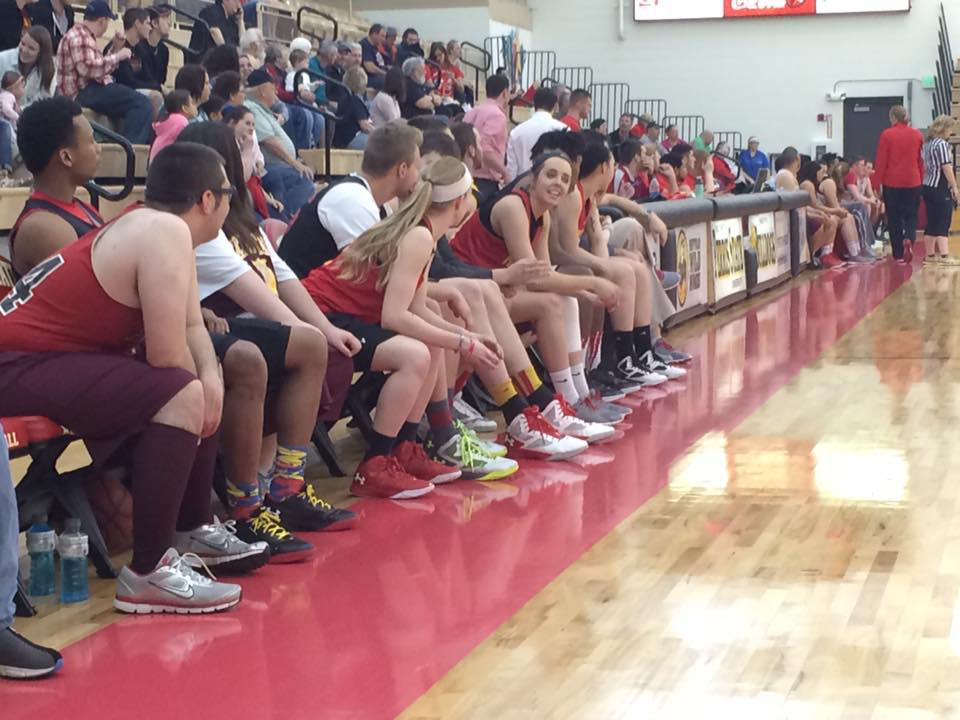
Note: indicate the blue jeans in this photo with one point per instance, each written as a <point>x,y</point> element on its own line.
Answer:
<point>119,101</point>
<point>9,530</point>
<point>6,145</point>
<point>359,141</point>
<point>299,126</point>
<point>286,184</point>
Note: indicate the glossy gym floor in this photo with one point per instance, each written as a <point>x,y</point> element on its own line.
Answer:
<point>778,537</point>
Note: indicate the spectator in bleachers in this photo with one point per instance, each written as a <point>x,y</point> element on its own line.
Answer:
<point>298,81</point>
<point>463,91</point>
<point>437,72</point>
<point>353,126</point>
<point>390,46</point>
<point>634,179</point>
<point>70,351</point>
<point>59,149</point>
<point>525,135</point>
<point>179,109</point>
<point>409,46</point>
<point>212,109</point>
<point>704,141</point>
<point>940,192</point>
<point>350,55</point>
<point>787,165</point>
<point>14,19</point>
<point>900,172</point>
<point>858,185</point>
<point>225,20</point>
<point>324,62</point>
<point>622,133</point>
<point>599,126</point>
<point>374,60</point>
<point>153,52</point>
<point>579,110</point>
<point>725,170</point>
<point>228,86</point>
<point>57,16</point>
<point>287,179</point>
<point>489,119</point>
<point>136,29</point>
<point>222,58</point>
<point>241,120</point>
<point>300,125</point>
<point>253,44</point>
<point>34,59</point>
<point>11,92</point>
<point>422,99</point>
<point>676,176</point>
<point>194,79</point>
<point>753,159</point>
<point>651,136</point>
<point>84,74</point>
<point>385,107</point>
<point>671,139</point>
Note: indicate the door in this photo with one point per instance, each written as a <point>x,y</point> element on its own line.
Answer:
<point>863,121</point>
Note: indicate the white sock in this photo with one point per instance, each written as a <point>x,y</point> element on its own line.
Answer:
<point>580,380</point>
<point>563,383</point>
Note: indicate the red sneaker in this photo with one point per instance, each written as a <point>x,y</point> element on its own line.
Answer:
<point>382,477</point>
<point>831,262</point>
<point>413,459</point>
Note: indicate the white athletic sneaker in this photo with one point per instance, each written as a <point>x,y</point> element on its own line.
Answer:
<point>564,418</point>
<point>468,415</point>
<point>217,545</point>
<point>648,361</point>
<point>530,435</point>
<point>490,447</point>
<point>173,587</point>
<point>640,375</point>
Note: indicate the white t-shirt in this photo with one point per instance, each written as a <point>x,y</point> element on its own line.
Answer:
<point>347,211</point>
<point>220,262</point>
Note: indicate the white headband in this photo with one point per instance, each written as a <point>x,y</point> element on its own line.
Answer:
<point>446,193</point>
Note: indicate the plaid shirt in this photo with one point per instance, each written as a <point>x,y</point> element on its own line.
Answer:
<point>80,62</point>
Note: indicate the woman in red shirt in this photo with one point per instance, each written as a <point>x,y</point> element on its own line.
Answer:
<point>441,76</point>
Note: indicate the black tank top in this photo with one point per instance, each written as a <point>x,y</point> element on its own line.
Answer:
<point>82,217</point>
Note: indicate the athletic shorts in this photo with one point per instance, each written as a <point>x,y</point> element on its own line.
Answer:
<point>101,397</point>
<point>370,337</point>
<point>271,338</point>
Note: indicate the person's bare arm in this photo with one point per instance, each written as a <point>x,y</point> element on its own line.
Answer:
<point>426,102</point>
<point>648,220</point>
<point>205,360</point>
<point>276,147</point>
<point>567,233</point>
<point>41,235</point>
<point>250,293</point>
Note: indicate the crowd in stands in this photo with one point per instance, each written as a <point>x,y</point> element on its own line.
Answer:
<point>458,244</point>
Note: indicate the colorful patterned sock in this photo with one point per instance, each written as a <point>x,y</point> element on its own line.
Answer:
<point>243,500</point>
<point>288,475</point>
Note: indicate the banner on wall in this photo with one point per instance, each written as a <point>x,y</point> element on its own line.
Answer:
<point>704,9</point>
<point>764,242</point>
<point>781,222</point>
<point>729,273</point>
<point>691,265</point>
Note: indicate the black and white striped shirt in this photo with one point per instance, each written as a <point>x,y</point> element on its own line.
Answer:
<point>936,154</point>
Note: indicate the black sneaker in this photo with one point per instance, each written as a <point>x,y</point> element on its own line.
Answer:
<point>285,547</point>
<point>608,390</point>
<point>619,382</point>
<point>21,659</point>
<point>307,512</point>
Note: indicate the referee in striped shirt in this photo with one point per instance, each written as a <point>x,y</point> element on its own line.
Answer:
<point>939,188</point>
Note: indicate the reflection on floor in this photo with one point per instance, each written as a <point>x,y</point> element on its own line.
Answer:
<point>771,538</point>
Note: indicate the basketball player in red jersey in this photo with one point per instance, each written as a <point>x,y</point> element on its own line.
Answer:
<point>68,329</point>
<point>58,147</point>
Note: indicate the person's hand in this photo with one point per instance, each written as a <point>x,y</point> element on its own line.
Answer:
<point>488,342</point>
<point>274,203</point>
<point>658,227</point>
<point>212,402</point>
<point>124,54</point>
<point>954,193</point>
<point>607,292</point>
<point>217,36</point>
<point>306,95</point>
<point>477,353</point>
<point>668,170</point>
<point>525,272</point>
<point>342,341</point>
<point>280,118</point>
<point>118,41</point>
<point>625,190</point>
<point>304,171</point>
<point>214,322</point>
<point>458,305</point>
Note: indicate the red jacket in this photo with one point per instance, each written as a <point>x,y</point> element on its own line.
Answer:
<point>899,157</point>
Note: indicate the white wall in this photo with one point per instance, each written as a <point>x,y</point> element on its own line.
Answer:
<point>764,76</point>
<point>438,24</point>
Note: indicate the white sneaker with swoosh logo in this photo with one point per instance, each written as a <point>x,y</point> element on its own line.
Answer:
<point>219,547</point>
<point>174,587</point>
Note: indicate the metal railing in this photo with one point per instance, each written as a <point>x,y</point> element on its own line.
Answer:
<point>524,67</point>
<point>943,92</point>
<point>609,101</point>
<point>277,24</point>
<point>313,11</point>
<point>96,190</point>
<point>690,126</point>
<point>482,68</point>
<point>734,138</point>
<point>654,107</point>
<point>577,77</point>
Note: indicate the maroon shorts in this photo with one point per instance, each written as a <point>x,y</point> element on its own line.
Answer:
<point>102,398</point>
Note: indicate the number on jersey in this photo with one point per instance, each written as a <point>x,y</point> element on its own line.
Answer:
<point>23,290</point>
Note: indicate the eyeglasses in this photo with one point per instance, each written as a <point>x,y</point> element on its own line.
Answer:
<point>228,192</point>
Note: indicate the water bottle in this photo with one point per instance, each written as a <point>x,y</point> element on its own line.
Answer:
<point>698,190</point>
<point>73,564</point>
<point>41,541</point>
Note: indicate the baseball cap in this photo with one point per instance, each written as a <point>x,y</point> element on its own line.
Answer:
<point>646,119</point>
<point>301,43</point>
<point>258,77</point>
<point>98,9</point>
<point>638,130</point>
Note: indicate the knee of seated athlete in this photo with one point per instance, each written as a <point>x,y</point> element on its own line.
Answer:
<point>244,365</point>
<point>307,347</point>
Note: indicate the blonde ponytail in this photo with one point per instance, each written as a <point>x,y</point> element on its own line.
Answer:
<point>378,246</point>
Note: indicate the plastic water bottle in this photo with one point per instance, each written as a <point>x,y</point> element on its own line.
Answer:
<point>73,564</point>
<point>41,542</point>
<point>698,190</point>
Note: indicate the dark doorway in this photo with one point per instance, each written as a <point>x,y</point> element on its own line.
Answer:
<point>863,121</point>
